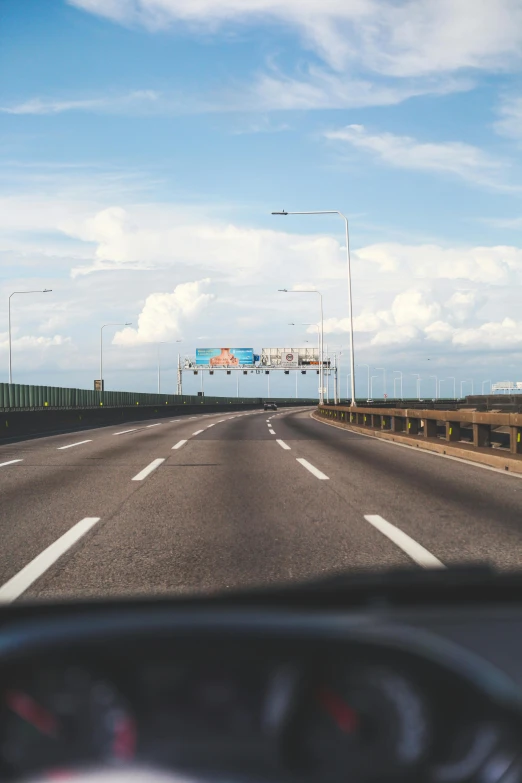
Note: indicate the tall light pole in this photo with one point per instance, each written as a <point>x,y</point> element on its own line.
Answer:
<point>451,378</point>
<point>313,291</point>
<point>368,367</point>
<point>319,346</point>
<point>129,323</point>
<point>15,293</point>
<point>483,382</point>
<point>417,376</point>
<point>399,372</point>
<point>467,380</point>
<point>441,381</point>
<point>348,260</point>
<point>371,386</point>
<point>383,378</point>
<point>163,342</point>
<point>436,386</point>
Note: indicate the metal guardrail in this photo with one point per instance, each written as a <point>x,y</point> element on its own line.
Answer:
<point>16,396</point>
<point>480,429</point>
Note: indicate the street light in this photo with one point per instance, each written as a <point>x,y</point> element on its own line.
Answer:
<point>368,367</point>
<point>371,386</point>
<point>483,382</point>
<point>436,386</point>
<point>313,291</point>
<point>383,377</point>
<point>467,380</point>
<point>319,345</point>
<point>451,378</point>
<point>416,375</point>
<point>350,308</point>
<point>163,342</point>
<point>45,291</point>
<point>129,323</point>
<point>399,372</point>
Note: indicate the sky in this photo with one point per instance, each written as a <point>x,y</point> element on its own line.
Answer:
<point>145,143</point>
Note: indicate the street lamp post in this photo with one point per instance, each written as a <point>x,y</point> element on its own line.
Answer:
<point>319,346</point>
<point>163,342</point>
<point>399,372</point>
<point>368,368</point>
<point>436,386</point>
<point>383,379</point>
<point>371,386</point>
<point>101,354</point>
<point>350,308</point>
<point>467,380</point>
<point>483,382</point>
<point>451,378</point>
<point>15,293</point>
<point>417,376</point>
<point>321,376</point>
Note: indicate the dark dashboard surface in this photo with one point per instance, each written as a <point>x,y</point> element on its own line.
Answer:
<point>260,693</point>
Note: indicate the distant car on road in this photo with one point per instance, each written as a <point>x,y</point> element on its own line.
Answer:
<point>270,406</point>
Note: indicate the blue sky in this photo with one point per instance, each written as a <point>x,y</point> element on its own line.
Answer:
<point>144,144</point>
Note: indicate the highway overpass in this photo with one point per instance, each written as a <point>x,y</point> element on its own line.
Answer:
<point>213,501</point>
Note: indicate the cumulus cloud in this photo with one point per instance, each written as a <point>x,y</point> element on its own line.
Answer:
<point>164,314</point>
<point>398,39</point>
<point>494,265</point>
<point>455,158</point>
<point>145,239</point>
<point>416,318</point>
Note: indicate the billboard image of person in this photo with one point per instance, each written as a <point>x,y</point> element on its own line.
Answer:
<point>224,357</point>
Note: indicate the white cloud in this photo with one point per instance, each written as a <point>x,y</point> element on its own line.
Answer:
<point>510,117</point>
<point>416,319</point>
<point>410,38</point>
<point>164,314</point>
<point>107,104</point>
<point>493,265</point>
<point>456,158</point>
<point>320,89</point>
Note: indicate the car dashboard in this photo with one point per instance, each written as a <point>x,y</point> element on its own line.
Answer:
<point>260,694</point>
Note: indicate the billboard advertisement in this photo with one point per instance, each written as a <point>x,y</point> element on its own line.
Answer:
<point>224,357</point>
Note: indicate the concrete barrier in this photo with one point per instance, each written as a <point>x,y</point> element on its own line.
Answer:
<point>18,424</point>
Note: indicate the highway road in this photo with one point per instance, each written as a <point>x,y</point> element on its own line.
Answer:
<point>217,501</point>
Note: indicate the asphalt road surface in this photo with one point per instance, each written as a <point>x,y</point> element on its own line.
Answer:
<point>204,503</point>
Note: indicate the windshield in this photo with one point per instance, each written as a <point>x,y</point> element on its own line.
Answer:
<point>261,268</point>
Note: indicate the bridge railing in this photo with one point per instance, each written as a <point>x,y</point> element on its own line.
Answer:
<point>480,430</point>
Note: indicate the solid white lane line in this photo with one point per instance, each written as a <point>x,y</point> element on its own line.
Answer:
<point>271,432</point>
<point>179,444</point>
<point>414,550</point>
<point>198,432</point>
<point>11,462</point>
<point>123,432</point>
<point>467,462</point>
<point>145,472</point>
<point>71,445</point>
<point>153,425</point>
<point>283,445</point>
<point>308,466</point>
<point>21,581</point>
